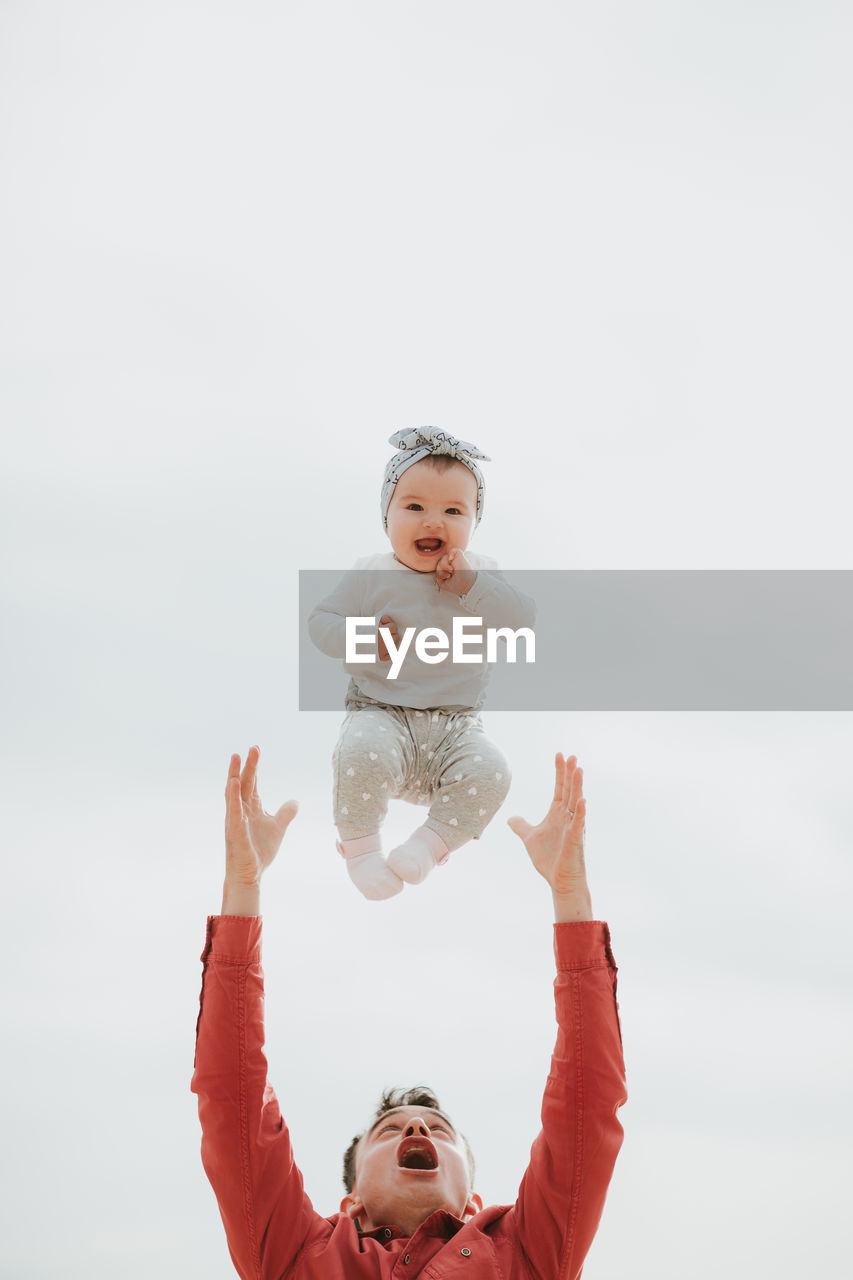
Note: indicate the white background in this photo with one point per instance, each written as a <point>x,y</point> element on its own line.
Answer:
<point>243,244</point>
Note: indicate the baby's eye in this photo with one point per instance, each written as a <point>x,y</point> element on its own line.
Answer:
<point>453,511</point>
<point>414,506</point>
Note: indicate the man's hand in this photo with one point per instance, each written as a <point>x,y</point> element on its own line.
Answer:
<point>555,846</point>
<point>454,573</point>
<point>381,648</point>
<point>252,836</point>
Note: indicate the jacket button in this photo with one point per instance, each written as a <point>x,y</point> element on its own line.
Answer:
<point>406,1259</point>
<point>388,1233</point>
<point>466,1253</point>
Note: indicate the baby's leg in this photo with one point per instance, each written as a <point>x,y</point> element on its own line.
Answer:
<point>473,780</point>
<point>368,763</point>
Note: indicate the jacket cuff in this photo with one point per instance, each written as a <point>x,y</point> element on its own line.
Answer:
<point>233,939</point>
<point>583,944</point>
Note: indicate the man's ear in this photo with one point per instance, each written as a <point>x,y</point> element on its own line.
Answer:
<point>352,1206</point>
<point>473,1206</point>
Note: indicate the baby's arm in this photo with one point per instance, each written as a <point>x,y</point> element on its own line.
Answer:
<point>484,593</point>
<point>327,621</point>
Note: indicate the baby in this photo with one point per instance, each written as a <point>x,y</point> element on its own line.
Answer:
<point>418,737</point>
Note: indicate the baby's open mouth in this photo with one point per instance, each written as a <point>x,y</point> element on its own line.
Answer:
<point>417,1153</point>
<point>429,546</point>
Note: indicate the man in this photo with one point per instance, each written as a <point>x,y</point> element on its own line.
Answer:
<point>410,1207</point>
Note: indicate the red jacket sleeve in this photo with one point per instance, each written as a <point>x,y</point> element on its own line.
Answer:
<point>562,1194</point>
<point>245,1145</point>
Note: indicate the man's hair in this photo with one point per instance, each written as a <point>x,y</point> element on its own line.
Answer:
<point>418,1096</point>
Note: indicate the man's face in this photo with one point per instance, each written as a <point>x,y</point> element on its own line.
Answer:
<point>430,512</point>
<point>410,1163</point>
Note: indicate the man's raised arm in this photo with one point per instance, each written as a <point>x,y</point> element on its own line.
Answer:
<point>562,1194</point>
<point>245,1145</point>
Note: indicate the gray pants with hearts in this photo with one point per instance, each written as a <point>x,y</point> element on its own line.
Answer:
<point>438,758</point>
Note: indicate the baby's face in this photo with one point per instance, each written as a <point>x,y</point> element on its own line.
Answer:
<point>430,512</point>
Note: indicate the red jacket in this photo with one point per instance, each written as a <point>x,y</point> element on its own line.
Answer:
<point>272,1228</point>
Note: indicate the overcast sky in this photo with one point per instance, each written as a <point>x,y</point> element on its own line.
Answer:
<point>243,244</point>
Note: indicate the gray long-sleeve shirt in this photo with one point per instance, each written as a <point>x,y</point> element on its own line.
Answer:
<point>380,585</point>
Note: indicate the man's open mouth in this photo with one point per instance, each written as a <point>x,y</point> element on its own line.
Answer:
<point>417,1153</point>
<point>429,546</point>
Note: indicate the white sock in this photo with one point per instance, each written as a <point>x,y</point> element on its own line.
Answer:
<point>413,860</point>
<point>368,869</point>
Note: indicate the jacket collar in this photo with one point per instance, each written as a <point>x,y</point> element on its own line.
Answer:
<point>442,1224</point>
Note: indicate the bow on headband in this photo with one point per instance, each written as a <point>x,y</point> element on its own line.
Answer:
<point>421,442</point>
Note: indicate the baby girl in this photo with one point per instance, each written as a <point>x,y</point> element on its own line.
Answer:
<point>418,736</point>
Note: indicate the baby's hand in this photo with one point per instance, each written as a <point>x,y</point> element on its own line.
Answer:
<point>454,573</point>
<point>386,621</point>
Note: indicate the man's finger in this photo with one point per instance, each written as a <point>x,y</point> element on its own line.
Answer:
<point>233,805</point>
<point>233,772</point>
<point>247,779</point>
<point>286,814</point>
<point>574,832</point>
<point>576,793</point>
<point>568,781</point>
<point>559,773</point>
<point>520,826</point>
